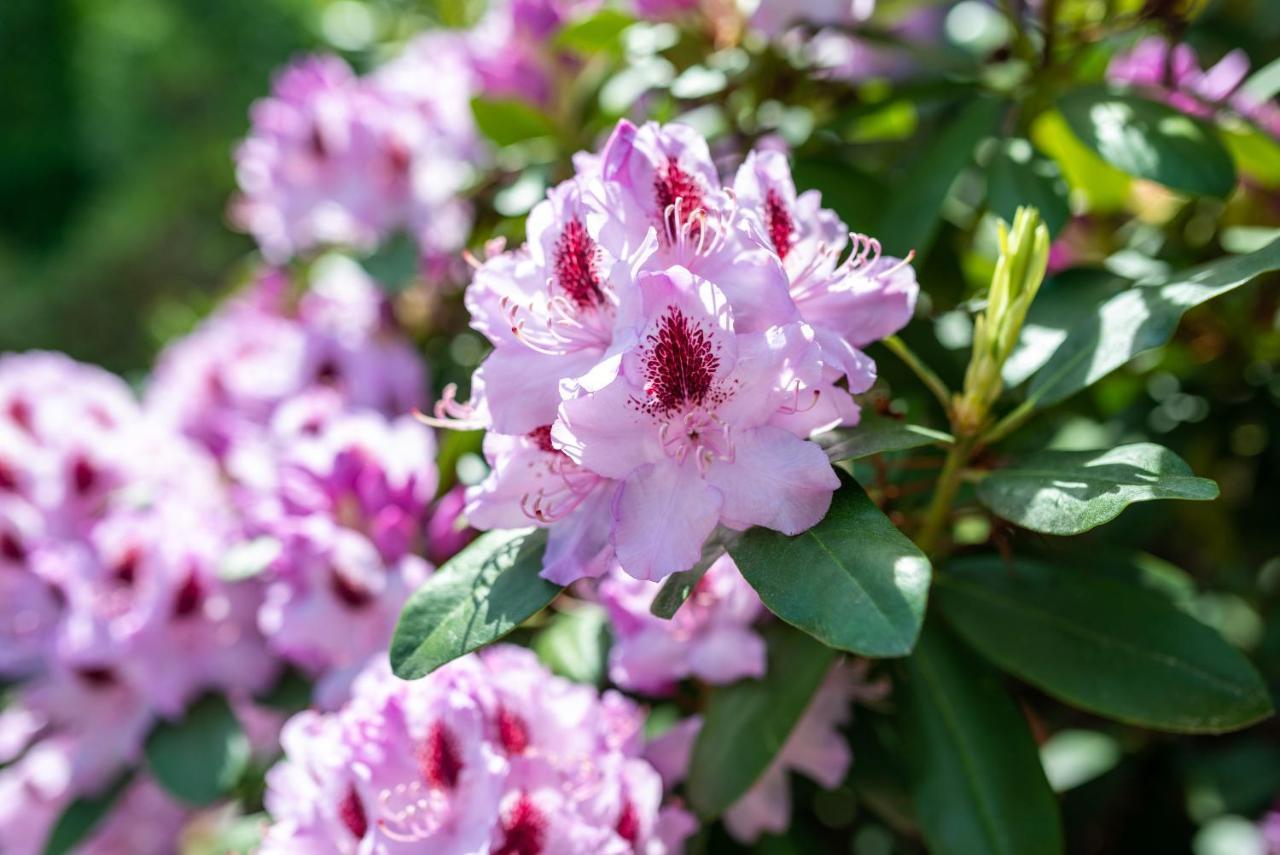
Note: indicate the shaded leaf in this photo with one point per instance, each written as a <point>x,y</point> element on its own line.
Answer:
<point>1018,175</point>
<point>977,782</point>
<point>82,816</point>
<point>200,758</point>
<point>1069,492</point>
<point>853,581</point>
<point>747,723</point>
<point>1150,140</point>
<point>877,434</point>
<point>1139,319</point>
<point>478,596</point>
<point>1104,645</point>
<point>575,644</point>
<point>910,217</point>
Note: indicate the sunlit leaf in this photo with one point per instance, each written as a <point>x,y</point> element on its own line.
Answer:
<point>481,594</point>
<point>1069,492</point>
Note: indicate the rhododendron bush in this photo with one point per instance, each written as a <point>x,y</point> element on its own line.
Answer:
<point>661,427</point>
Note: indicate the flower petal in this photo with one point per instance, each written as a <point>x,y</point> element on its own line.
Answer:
<point>776,480</point>
<point>663,514</point>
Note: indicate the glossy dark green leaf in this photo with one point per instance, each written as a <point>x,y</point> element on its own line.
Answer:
<point>477,597</point>
<point>291,693</point>
<point>82,816</point>
<point>1019,175</point>
<point>575,644</point>
<point>200,758</point>
<point>508,121</point>
<point>853,581</point>
<point>877,434</point>
<point>911,212</point>
<point>1101,644</point>
<point>1139,319</point>
<point>597,33</point>
<point>977,783</point>
<point>746,724</point>
<point>1069,492</point>
<point>845,189</point>
<point>1150,140</point>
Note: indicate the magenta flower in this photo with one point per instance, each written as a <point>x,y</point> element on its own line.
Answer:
<point>685,426</point>
<point>490,754</point>
<point>335,160</point>
<point>664,348</point>
<point>710,637</point>
<point>1174,71</point>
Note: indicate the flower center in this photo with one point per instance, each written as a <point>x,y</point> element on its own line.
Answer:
<point>513,733</point>
<point>351,812</point>
<point>352,594</point>
<point>8,478</point>
<point>629,824</point>
<point>541,437</point>
<point>438,758</point>
<point>778,222</point>
<point>187,601</point>
<point>680,366</point>
<point>524,829</point>
<point>11,548</point>
<point>674,183</point>
<point>575,264</point>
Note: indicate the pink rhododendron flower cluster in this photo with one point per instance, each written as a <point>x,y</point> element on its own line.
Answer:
<point>489,754</point>
<point>709,638</point>
<point>1173,70</point>
<point>665,345</point>
<point>336,159</point>
<point>113,613</point>
<point>306,400</point>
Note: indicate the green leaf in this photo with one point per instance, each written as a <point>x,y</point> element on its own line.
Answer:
<point>845,189</point>
<point>853,581</point>
<point>1139,319</point>
<point>877,434</point>
<point>977,782</point>
<point>201,757</point>
<point>82,816</point>
<point>747,723</point>
<point>597,33</point>
<point>1065,302</point>
<point>477,597</point>
<point>290,694</point>
<point>910,218</point>
<point>575,644</point>
<point>1019,175</point>
<point>507,121</point>
<point>1103,645</point>
<point>1150,140</point>
<point>1069,492</point>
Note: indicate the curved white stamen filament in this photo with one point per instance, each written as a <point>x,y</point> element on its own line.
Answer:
<point>452,414</point>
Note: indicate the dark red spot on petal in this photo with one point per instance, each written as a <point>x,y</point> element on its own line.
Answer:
<point>778,222</point>
<point>524,829</point>
<point>541,437</point>
<point>125,570</point>
<point>189,597</point>
<point>575,266</point>
<point>84,476</point>
<point>20,412</point>
<point>680,364</point>
<point>350,593</point>
<point>351,812</point>
<point>513,733</point>
<point>672,183</point>
<point>327,373</point>
<point>11,548</point>
<point>438,758</point>
<point>628,827</point>
<point>8,478</point>
<point>97,677</point>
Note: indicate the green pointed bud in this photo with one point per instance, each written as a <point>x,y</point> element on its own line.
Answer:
<point>1024,255</point>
